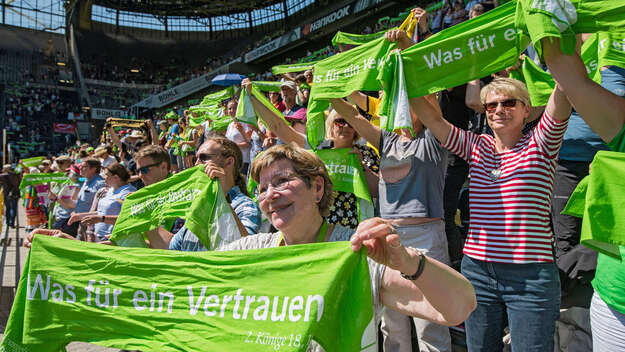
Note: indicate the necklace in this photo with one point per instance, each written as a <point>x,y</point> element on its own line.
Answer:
<point>496,172</point>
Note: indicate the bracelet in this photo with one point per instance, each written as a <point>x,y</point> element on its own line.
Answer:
<point>420,268</point>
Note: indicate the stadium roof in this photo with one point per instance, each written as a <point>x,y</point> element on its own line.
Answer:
<point>190,8</point>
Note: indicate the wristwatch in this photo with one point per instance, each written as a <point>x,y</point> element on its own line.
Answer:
<point>419,269</point>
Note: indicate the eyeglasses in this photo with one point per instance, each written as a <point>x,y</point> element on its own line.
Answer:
<point>506,104</point>
<point>279,184</point>
<point>206,157</point>
<point>341,122</point>
<point>146,169</point>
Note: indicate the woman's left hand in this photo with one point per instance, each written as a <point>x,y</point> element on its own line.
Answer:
<point>383,244</point>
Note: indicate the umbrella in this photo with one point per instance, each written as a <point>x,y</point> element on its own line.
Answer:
<point>227,79</point>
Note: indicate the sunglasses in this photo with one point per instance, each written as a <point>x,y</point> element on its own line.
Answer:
<point>506,104</point>
<point>145,169</point>
<point>341,122</point>
<point>206,157</point>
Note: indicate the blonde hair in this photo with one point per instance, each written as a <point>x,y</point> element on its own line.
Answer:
<point>230,149</point>
<point>333,116</point>
<point>306,164</point>
<point>506,86</point>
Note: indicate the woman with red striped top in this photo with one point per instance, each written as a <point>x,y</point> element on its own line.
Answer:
<point>509,248</point>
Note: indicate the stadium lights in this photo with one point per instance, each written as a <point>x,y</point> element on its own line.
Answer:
<point>134,70</point>
<point>60,63</point>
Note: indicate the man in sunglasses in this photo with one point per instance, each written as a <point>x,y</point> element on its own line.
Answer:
<point>222,159</point>
<point>90,170</point>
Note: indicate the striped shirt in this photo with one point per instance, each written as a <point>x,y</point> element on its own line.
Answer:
<point>510,193</point>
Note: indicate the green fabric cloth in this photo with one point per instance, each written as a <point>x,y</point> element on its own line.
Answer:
<point>394,109</point>
<point>603,224</point>
<point>472,49</point>
<point>267,86</point>
<point>178,196</point>
<point>37,179</point>
<point>611,49</point>
<point>355,39</point>
<point>618,143</point>
<point>564,18</point>
<point>288,68</point>
<point>153,300</point>
<point>347,175</point>
<point>209,106</point>
<point>32,162</point>
<point>245,110</point>
<point>337,77</point>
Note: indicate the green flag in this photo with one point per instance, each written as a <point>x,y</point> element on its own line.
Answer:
<point>611,47</point>
<point>288,68</point>
<point>274,299</point>
<point>32,162</point>
<point>564,18</point>
<point>218,96</point>
<point>267,86</point>
<point>340,75</point>
<point>355,39</point>
<point>209,106</point>
<point>188,194</point>
<point>599,199</point>
<point>347,175</point>
<point>394,109</point>
<point>472,49</point>
<point>220,124</point>
<point>245,110</point>
<point>37,179</point>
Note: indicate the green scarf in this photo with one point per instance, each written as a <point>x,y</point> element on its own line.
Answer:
<point>267,86</point>
<point>153,300</point>
<point>347,175</point>
<point>190,194</point>
<point>288,68</point>
<point>209,106</point>
<point>245,110</point>
<point>564,18</point>
<point>32,162</point>
<point>394,109</point>
<point>599,200</point>
<point>38,179</point>
<point>611,48</point>
<point>355,39</point>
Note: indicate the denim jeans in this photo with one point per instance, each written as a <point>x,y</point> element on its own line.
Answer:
<point>11,210</point>
<point>525,297</point>
<point>613,79</point>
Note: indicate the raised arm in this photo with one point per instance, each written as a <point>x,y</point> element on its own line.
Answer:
<point>274,122</point>
<point>429,113</point>
<point>602,110</point>
<point>472,96</point>
<point>439,293</point>
<point>153,133</point>
<point>114,136</point>
<point>364,128</point>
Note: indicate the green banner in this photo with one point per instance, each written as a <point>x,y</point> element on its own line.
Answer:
<point>564,18</point>
<point>288,68</point>
<point>37,179</point>
<point>190,194</point>
<point>220,124</point>
<point>394,109</point>
<point>599,200</point>
<point>245,110</point>
<point>356,39</point>
<point>472,49</point>
<point>340,75</point>
<point>32,162</point>
<point>267,86</point>
<point>209,107</point>
<point>275,299</point>
<point>611,48</point>
<point>347,175</point>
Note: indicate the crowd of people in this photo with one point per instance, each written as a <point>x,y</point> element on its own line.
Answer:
<point>510,267</point>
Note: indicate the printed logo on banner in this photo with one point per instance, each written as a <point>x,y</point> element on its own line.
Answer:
<point>326,20</point>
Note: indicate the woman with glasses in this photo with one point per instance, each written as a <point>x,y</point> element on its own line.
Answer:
<point>108,207</point>
<point>295,194</point>
<point>509,248</point>
<point>340,134</point>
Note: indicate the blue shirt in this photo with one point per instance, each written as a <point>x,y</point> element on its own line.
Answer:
<point>244,207</point>
<point>580,143</point>
<point>111,204</point>
<point>87,192</point>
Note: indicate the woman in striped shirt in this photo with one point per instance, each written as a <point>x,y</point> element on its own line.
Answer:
<point>509,248</point>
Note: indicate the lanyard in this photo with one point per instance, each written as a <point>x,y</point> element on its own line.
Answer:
<point>320,237</point>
